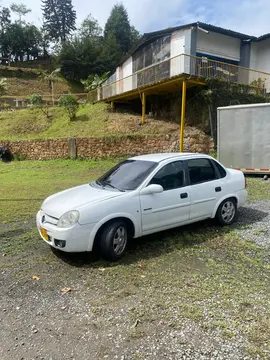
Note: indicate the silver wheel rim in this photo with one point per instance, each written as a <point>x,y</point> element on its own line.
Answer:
<point>228,211</point>
<point>120,240</point>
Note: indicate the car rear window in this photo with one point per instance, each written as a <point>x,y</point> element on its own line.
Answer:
<point>200,171</point>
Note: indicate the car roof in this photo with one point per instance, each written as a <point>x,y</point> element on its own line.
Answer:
<point>166,156</point>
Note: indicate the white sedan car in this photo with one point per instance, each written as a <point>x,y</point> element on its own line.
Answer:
<point>140,196</point>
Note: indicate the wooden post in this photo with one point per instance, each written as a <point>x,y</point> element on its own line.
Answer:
<point>183,114</point>
<point>112,105</point>
<point>143,107</point>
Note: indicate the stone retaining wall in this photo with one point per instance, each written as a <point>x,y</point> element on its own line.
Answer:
<point>102,147</point>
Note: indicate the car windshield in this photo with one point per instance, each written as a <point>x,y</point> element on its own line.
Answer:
<point>127,175</point>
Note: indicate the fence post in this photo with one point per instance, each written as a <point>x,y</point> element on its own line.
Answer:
<point>72,148</point>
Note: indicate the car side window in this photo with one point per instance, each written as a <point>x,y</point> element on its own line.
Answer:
<point>200,171</point>
<point>170,177</point>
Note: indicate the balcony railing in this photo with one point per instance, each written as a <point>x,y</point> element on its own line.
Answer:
<point>182,64</point>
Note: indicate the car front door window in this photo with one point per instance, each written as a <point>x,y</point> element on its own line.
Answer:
<point>170,177</point>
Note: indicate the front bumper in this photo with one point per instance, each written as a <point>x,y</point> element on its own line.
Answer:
<point>76,239</point>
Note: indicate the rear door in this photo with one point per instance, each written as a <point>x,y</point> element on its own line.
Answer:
<point>206,187</point>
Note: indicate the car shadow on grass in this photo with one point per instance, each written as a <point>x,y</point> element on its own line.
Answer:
<point>155,245</point>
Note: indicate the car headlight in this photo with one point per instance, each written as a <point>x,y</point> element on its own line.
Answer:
<point>69,219</point>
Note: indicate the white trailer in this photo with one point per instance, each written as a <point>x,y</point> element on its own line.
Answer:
<point>243,137</point>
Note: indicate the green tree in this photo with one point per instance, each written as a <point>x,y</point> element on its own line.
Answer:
<point>134,36</point>
<point>14,41</point>
<point>90,28</point>
<point>45,42</point>
<point>118,26</point>
<point>70,104</point>
<point>4,24</point>
<point>32,41</point>
<point>111,53</point>
<point>80,57</point>
<point>4,18</point>
<point>59,19</point>
<point>19,9</point>
<point>37,102</point>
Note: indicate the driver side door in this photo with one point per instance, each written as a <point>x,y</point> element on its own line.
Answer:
<point>170,208</point>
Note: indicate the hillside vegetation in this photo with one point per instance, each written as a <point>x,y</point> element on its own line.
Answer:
<point>92,120</point>
<point>25,82</point>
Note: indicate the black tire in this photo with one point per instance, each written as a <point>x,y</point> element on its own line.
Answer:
<point>110,247</point>
<point>227,217</point>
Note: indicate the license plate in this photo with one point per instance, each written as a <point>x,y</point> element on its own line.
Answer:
<point>44,233</point>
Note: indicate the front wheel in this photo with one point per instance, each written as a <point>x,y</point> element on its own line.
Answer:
<point>113,240</point>
<point>227,212</point>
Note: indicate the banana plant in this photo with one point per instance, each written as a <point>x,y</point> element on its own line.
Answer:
<point>94,81</point>
<point>3,86</point>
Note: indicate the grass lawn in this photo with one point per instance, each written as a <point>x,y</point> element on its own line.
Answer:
<point>212,278</point>
<point>25,184</point>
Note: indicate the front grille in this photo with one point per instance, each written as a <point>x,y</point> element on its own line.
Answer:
<point>47,219</point>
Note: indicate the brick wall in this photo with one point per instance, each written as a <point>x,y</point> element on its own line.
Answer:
<point>101,147</point>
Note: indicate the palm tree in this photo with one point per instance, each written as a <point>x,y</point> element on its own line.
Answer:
<point>52,78</point>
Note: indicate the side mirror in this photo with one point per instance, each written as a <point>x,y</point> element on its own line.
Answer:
<point>152,189</point>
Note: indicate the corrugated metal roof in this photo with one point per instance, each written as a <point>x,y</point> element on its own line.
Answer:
<point>207,27</point>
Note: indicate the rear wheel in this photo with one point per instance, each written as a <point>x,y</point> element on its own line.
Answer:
<point>113,240</point>
<point>227,212</point>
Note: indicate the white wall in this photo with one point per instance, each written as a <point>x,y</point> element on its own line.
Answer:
<point>263,56</point>
<point>177,48</point>
<point>260,61</point>
<point>218,45</point>
<point>126,73</point>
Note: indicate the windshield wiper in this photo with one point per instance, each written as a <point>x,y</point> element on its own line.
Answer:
<point>107,183</point>
<point>98,183</point>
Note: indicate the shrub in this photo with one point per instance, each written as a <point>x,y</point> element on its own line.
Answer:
<point>5,154</point>
<point>36,101</point>
<point>70,104</point>
<point>5,106</point>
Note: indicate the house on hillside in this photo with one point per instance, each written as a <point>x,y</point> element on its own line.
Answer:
<point>164,58</point>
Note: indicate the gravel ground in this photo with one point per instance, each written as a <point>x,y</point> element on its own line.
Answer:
<point>161,302</point>
<point>259,217</point>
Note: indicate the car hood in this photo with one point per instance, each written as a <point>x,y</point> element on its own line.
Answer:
<point>72,199</point>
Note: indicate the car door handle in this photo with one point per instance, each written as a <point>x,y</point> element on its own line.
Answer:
<point>218,189</point>
<point>184,196</point>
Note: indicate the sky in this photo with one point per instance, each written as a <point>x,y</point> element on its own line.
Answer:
<point>247,16</point>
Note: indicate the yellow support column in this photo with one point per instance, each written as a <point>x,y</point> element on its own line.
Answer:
<point>143,107</point>
<point>183,114</point>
